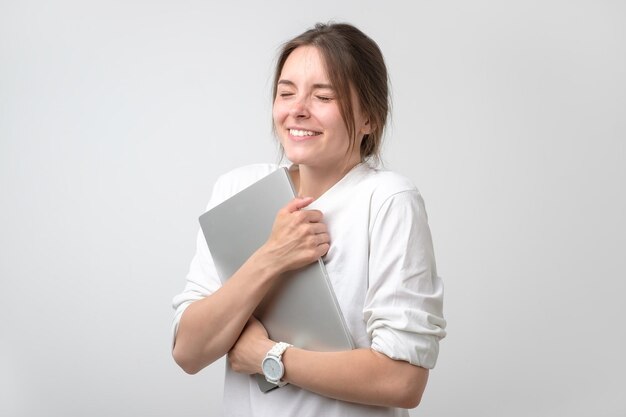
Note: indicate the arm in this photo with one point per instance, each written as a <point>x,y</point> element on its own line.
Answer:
<point>362,375</point>
<point>210,326</point>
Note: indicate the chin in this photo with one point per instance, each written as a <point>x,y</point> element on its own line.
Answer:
<point>297,156</point>
<point>297,159</point>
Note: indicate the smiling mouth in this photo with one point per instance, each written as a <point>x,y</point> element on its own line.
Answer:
<point>303,133</point>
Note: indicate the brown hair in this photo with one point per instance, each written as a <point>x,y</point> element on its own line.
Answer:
<point>353,61</point>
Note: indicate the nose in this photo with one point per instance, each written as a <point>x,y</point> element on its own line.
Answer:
<point>299,108</point>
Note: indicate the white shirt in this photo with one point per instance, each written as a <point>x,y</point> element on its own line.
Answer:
<point>382,268</point>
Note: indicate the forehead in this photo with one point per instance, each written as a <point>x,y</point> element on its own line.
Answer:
<point>303,64</point>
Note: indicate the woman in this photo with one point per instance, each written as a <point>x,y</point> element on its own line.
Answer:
<point>329,112</point>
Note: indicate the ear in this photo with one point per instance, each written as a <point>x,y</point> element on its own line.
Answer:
<point>366,127</point>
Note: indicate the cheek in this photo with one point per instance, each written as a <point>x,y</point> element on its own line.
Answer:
<point>278,114</point>
<point>331,117</point>
<point>335,122</point>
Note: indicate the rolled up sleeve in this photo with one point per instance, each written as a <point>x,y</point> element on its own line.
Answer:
<point>202,278</point>
<point>404,302</point>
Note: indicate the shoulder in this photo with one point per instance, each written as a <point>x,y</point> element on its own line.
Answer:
<point>390,194</point>
<point>235,180</point>
<point>383,184</point>
<point>395,206</point>
<point>390,180</point>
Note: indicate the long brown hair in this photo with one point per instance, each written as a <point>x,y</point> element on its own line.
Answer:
<point>353,61</point>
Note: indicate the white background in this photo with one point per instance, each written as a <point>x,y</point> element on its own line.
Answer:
<point>117,116</point>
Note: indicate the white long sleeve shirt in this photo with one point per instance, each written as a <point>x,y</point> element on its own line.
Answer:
<point>382,268</point>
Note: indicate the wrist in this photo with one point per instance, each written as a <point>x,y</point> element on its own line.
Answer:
<point>272,364</point>
<point>268,265</point>
<point>263,347</point>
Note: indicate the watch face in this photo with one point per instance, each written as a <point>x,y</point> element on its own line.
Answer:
<point>272,369</point>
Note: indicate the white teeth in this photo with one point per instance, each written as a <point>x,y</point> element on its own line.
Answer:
<point>301,133</point>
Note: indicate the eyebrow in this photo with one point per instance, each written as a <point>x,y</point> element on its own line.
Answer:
<point>317,85</point>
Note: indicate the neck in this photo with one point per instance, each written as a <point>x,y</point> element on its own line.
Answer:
<point>313,181</point>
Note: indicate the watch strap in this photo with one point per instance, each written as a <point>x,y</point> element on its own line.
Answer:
<point>278,349</point>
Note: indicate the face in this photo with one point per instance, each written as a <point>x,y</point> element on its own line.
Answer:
<point>307,116</point>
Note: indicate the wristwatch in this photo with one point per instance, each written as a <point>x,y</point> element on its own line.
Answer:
<point>272,364</point>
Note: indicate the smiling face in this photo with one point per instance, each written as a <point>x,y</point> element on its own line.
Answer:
<point>307,118</point>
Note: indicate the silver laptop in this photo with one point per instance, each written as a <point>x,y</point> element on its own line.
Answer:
<point>302,310</point>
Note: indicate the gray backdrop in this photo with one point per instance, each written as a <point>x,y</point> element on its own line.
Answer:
<point>117,116</point>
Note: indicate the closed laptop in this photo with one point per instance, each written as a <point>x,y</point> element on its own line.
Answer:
<point>302,310</point>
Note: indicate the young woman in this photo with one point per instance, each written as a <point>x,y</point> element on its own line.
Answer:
<point>370,226</point>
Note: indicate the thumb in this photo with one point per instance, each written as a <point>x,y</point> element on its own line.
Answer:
<point>298,203</point>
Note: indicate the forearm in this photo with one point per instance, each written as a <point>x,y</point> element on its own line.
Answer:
<point>209,327</point>
<point>361,375</point>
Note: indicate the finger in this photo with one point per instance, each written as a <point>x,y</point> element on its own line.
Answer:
<point>312,216</point>
<point>322,249</point>
<point>322,238</point>
<point>298,203</point>
<point>317,228</point>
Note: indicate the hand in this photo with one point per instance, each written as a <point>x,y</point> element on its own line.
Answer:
<point>249,350</point>
<point>298,237</point>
